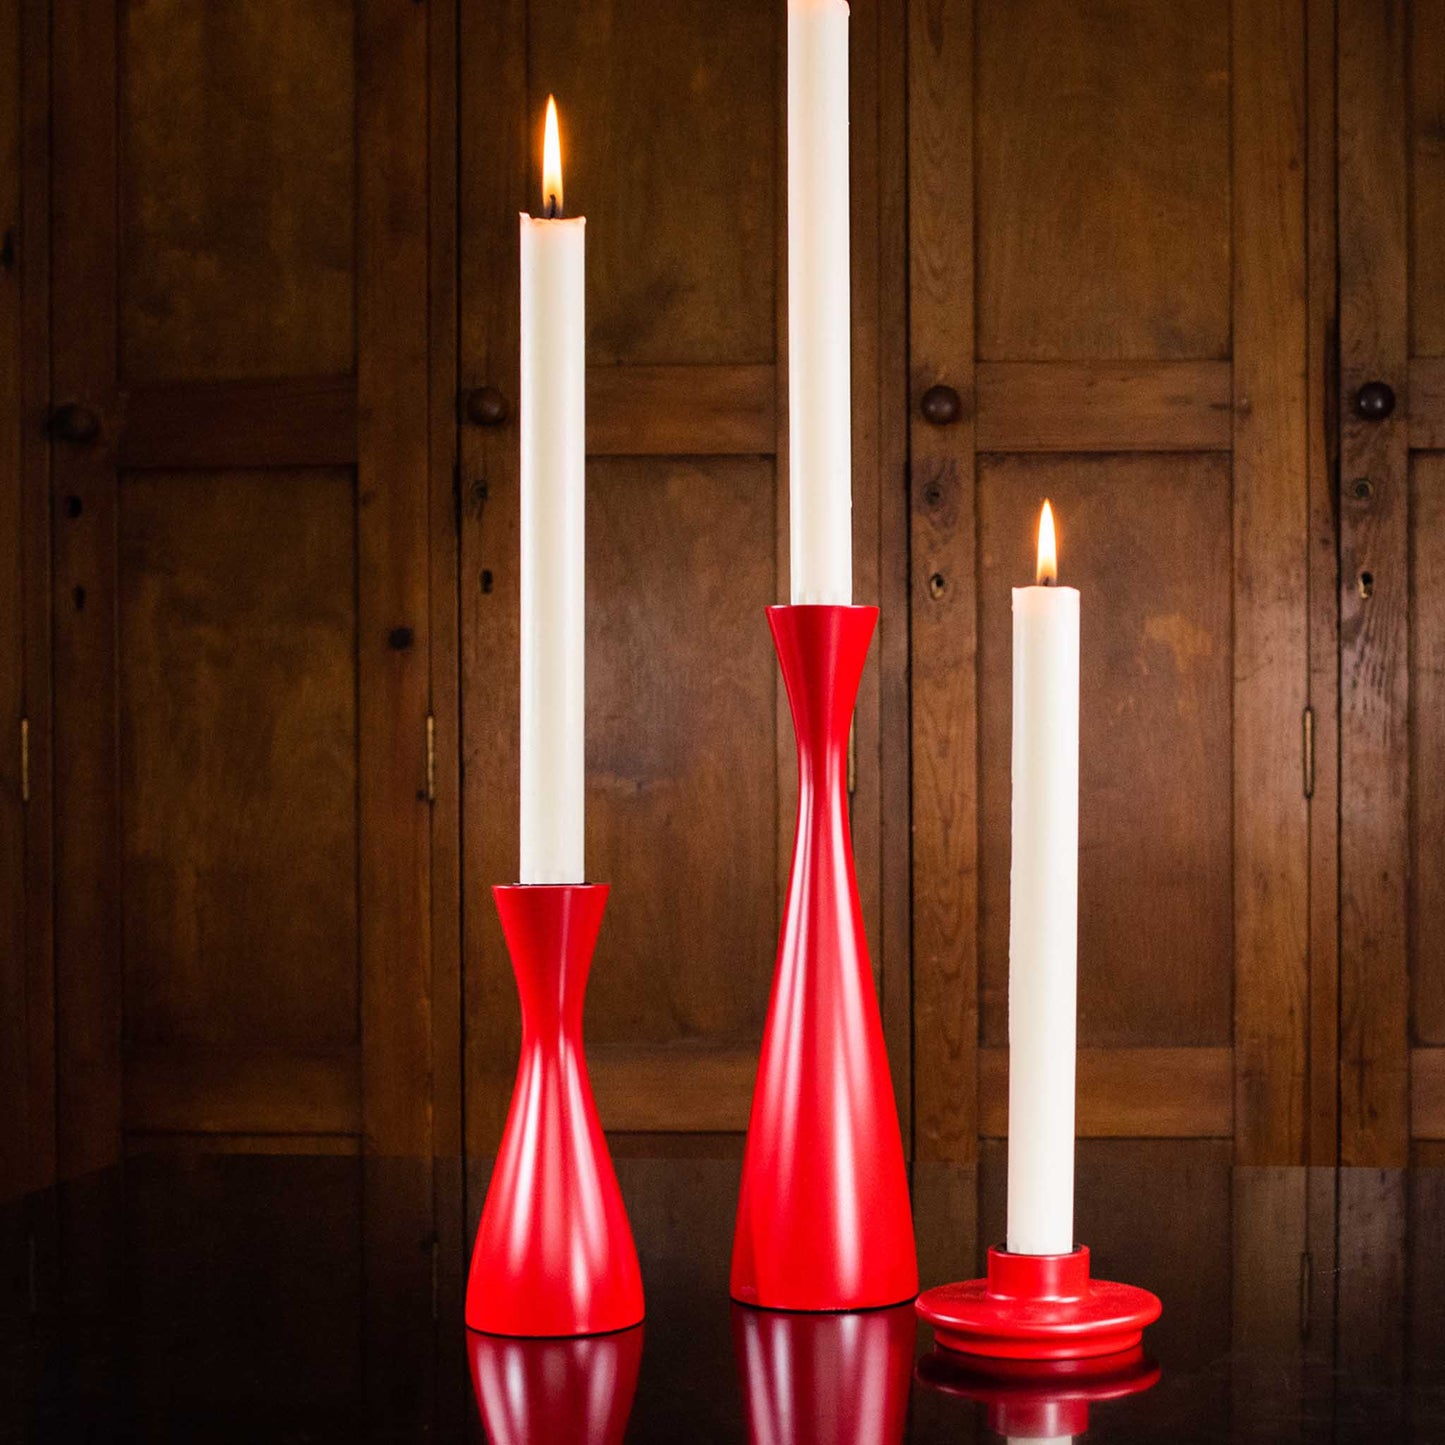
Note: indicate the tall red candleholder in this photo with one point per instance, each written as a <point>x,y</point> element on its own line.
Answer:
<point>823,1215</point>
<point>1038,1307</point>
<point>554,1252</point>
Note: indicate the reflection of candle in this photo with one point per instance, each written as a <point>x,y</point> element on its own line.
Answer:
<point>1043,909</point>
<point>819,412</point>
<point>551,416</point>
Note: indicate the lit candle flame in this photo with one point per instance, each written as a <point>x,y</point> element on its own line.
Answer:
<point>552,163</point>
<point>1047,572</point>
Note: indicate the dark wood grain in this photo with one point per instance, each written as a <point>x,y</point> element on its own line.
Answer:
<point>1427,402</point>
<point>1425,86</point>
<point>1426,611</point>
<point>1427,1093</point>
<point>1323,569</point>
<point>942,597</point>
<point>237,697</point>
<point>35,480</point>
<point>201,1088</point>
<point>393,383</point>
<point>15,1131</point>
<point>494,134</point>
<point>1374,700</point>
<point>1062,406</point>
<point>1093,244</point>
<point>83,368</point>
<point>1271,644</point>
<point>680,410</point>
<point>669,147</point>
<point>891,647</point>
<point>288,422</point>
<point>237,214</point>
<point>454,1402</point>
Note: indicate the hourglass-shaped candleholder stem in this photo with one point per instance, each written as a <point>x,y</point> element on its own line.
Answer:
<point>554,1252</point>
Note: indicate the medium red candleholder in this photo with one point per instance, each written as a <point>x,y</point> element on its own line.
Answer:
<point>823,1215</point>
<point>1038,1307</point>
<point>1039,1399</point>
<point>554,1252</point>
<point>825,1379</point>
<point>530,1392</point>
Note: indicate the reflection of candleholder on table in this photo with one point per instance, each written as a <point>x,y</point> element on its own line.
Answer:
<point>554,1252</point>
<point>543,1392</point>
<point>825,1379</point>
<point>1039,1399</point>
<point>823,1216</point>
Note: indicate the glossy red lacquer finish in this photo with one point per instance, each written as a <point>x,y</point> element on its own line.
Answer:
<point>823,1217</point>
<point>1039,1399</point>
<point>546,1392</point>
<point>1038,1307</point>
<point>825,1379</point>
<point>554,1252</point>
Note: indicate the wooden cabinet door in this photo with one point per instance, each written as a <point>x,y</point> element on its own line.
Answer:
<point>673,148</point>
<point>239,524</point>
<point>1108,266</point>
<point>1392,579</point>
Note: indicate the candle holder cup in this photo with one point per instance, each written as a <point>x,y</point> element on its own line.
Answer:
<point>554,1254</point>
<point>1038,1307</point>
<point>823,1214</point>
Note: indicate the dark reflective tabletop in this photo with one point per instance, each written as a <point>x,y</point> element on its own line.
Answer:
<point>296,1298</point>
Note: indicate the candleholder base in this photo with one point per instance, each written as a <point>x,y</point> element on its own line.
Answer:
<point>1039,1399</point>
<point>1038,1307</point>
<point>554,1254</point>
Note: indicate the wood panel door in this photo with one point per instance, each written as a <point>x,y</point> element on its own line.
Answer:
<point>1111,307</point>
<point>673,148</point>
<point>1392,579</point>
<point>239,540</point>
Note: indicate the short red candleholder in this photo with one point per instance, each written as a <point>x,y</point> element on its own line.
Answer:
<point>1039,1399</point>
<point>554,1252</point>
<point>823,1215</point>
<point>1038,1307</point>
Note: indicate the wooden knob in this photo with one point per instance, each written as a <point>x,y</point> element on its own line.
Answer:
<point>485,406</point>
<point>1375,400</point>
<point>72,422</point>
<point>940,405</point>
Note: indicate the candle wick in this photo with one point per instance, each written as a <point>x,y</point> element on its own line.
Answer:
<point>552,208</point>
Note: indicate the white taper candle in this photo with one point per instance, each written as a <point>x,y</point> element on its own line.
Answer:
<point>819,410</point>
<point>551,416</point>
<point>1043,912</point>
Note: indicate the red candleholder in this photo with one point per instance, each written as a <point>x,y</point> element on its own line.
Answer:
<point>1039,1399</point>
<point>532,1391</point>
<point>554,1252</point>
<point>1038,1307</point>
<point>823,1215</point>
<point>825,1379</point>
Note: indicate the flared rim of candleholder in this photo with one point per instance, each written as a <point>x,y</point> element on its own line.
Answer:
<point>1038,1307</point>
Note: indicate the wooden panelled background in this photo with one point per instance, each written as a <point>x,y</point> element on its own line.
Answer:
<point>258,583</point>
